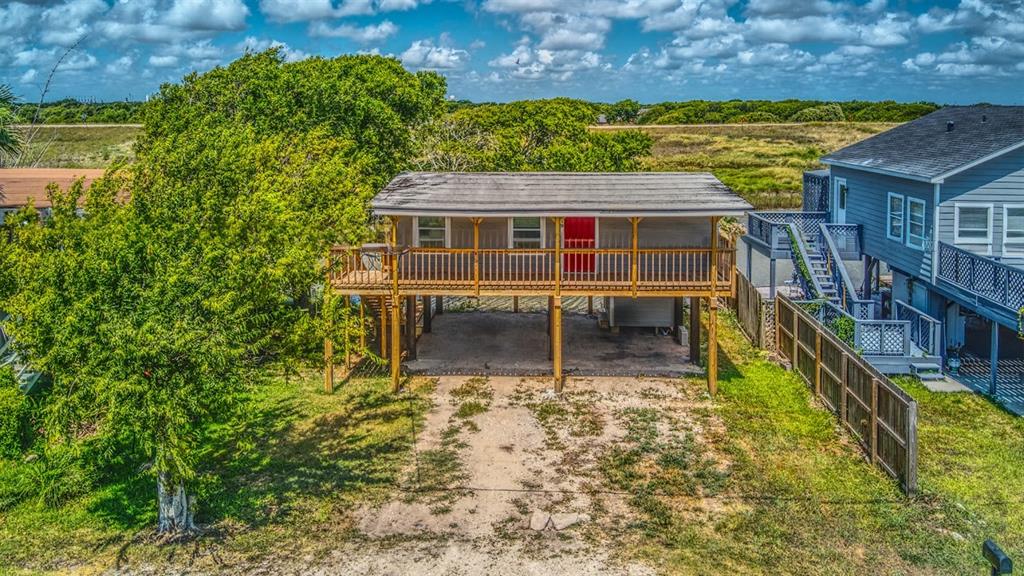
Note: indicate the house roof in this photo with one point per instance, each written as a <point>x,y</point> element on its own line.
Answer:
<point>18,185</point>
<point>558,193</point>
<point>925,149</point>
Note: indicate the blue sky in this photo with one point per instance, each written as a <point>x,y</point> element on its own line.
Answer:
<point>957,51</point>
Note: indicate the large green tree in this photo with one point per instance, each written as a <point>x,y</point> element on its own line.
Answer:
<point>10,140</point>
<point>536,135</point>
<point>188,269</point>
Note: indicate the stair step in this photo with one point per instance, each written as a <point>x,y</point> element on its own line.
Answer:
<point>926,371</point>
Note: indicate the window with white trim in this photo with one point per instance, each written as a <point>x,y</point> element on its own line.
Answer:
<point>973,223</point>
<point>1013,228</point>
<point>526,232</point>
<point>431,231</point>
<point>916,211</point>
<point>894,217</point>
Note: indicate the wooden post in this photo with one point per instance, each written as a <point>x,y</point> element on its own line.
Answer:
<point>993,387</point>
<point>695,330</point>
<point>558,258</point>
<point>551,328</point>
<point>817,362</point>
<point>634,269</point>
<point>515,304</point>
<point>778,332</point>
<point>348,346</point>
<point>439,304</point>
<point>410,327</point>
<point>590,305</point>
<point>771,279</point>
<point>476,256</point>
<point>362,325</point>
<point>713,312</point>
<point>866,286</point>
<point>556,340</point>
<point>874,420</point>
<point>428,315</point>
<point>328,342</point>
<point>844,366</point>
<point>383,327</point>
<point>396,345</point>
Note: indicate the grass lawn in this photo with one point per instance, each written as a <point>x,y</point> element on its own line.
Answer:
<point>286,473</point>
<point>81,147</point>
<point>762,162</point>
<point>801,499</point>
<point>785,493</point>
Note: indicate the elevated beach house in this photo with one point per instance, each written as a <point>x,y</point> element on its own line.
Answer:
<point>642,241</point>
<point>938,203</point>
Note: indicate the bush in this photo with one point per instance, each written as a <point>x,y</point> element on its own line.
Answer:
<point>50,480</point>
<point>15,416</point>
<point>825,113</point>
<point>757,118</point>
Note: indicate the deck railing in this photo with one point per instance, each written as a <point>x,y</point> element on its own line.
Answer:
<point>770,227</point>
<point>868,337</point>
<point>839,242</point>
<point>580,270</point>
<point>925,331</point>
<point>984,277</point>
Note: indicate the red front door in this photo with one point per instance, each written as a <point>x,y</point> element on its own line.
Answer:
<point>579,233</point>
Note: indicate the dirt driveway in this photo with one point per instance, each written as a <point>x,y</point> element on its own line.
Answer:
<point>511,479</point>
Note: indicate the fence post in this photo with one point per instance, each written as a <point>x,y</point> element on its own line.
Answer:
<point>874,420</point>
<point>817,361</point>
<point>778,328</point>
<point>796,335</point>
<point>843,380</point>
<point>910,437</point>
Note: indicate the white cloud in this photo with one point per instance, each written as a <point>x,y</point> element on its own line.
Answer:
<point>28,77</point>
<point>311,10</point>
<point>362,34</point>
<point>64,24</point>
<point>426,55</point>
<point>253,44</point>
<point>208,14</point>
<point>120,66</point>
<point>163,61</point>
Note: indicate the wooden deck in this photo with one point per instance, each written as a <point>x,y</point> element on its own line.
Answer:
<point>666,272</point>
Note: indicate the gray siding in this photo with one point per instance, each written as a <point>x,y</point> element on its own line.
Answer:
<point>611,232</point>
<point>998,182</point>
<point>866,205</point>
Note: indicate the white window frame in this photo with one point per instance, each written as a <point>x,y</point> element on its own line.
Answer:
<point>987,241</point>
<point>924,222</point>
<point>543,231</point>
<point>1011,247</point>
<point>889,216</point>
<point>416,231</point>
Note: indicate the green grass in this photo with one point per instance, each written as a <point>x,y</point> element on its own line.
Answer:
<point>800,498</point>
<point>80,147</point>
<point>287,473</point>
<point>763,163</point>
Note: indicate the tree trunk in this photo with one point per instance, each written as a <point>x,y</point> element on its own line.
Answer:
<point>175,516</point>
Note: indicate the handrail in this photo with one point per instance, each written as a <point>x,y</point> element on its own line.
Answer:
<point>804,250</point>
<point>925,331</point>
<point>763,225</point>
<point>857,307</point>
<point>523,269</point>
<point>984,277</point>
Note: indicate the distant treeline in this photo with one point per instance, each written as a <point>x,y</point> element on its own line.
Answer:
<point>747,111</point>
<point>70,111</point>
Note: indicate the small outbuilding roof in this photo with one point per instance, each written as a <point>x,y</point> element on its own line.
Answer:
<point>558,193</point>
<point>939,145</point>
<point>19,185</point>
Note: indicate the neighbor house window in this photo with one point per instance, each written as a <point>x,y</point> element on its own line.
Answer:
<point>1013,228</point>
<point>915,223</point>
<point>526,233</point>
<point>894,217</point>
<point>431,231</point>
<point>973,223</point>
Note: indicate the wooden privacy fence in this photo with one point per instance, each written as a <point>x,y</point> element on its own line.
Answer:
<point>754,312</point>
<point>879,414</point>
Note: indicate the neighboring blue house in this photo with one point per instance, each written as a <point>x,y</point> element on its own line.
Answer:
<point>940,202</point>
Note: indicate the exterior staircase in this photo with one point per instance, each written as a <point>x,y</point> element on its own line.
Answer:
<point>817,264</point>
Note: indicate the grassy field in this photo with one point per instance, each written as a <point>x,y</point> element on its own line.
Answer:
<point>762,162</point>
<point>80,146</point>
<point>797,496</point>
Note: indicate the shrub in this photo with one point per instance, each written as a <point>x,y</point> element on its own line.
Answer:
<point>824,113</point>
<point>15,416</point>
<point>757,118</point>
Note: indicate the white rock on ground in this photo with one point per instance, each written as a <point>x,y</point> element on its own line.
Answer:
<point>539,521</point>
<point>563,521</point>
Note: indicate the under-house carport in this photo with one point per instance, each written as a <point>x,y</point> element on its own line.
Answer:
<point>495,340</point>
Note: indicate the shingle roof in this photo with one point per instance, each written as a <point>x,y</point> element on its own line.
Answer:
<point>18,185</point>
<point>558,193</point>
<point>924,149</point>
